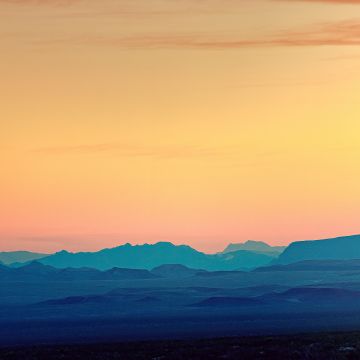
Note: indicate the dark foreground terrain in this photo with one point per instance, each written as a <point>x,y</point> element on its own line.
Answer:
<point>311,346</point>
<point>42,305</point>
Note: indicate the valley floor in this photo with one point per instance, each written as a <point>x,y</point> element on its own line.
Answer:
<point>37,310</point>
<point>308,346</point>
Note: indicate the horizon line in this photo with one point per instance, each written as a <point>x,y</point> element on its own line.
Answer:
<point>177,245</point>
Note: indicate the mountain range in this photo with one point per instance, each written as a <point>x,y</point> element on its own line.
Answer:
<point>151,256</point>
<point>241,256</point>
<point>38,272</point>
<point>161,290</point>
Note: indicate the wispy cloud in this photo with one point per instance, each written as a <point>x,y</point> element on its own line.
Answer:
<point>40,2</point>
<point>340,2</point>
<point>197,3</point>
<point>141,7</point>
<point>343,33</point>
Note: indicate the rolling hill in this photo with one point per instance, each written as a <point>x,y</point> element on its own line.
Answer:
<point>38,272</point>
<point>314,265</point>
<point>11,257</point>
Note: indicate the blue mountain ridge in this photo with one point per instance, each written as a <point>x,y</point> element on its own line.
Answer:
<point>151,256</point>
<point>340,248</point>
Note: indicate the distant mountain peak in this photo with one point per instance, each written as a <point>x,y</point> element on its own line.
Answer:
<point>63,252</point>
<point>253,242</point>
<point>253,245</point>
<point>149,256</point>
<point>157,244</point>
<point>34,265</point>
<point>164,244</point>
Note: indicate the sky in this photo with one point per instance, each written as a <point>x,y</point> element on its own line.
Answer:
<point>199,122</point>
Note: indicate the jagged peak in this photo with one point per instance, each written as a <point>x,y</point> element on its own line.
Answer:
<point>62,252</point>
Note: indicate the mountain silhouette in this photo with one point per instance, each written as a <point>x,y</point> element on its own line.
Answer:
<point>77,300</point>
<point>256,246</point>
<point>314,265</point>
<point>11,257</point>
<point>37,271</point>
<point>340,248</point>
<point>175,270</point>
<point>302,296</point>
<point>151,256</point>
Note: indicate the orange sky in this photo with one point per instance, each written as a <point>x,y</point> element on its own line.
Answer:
<point>198,122</point>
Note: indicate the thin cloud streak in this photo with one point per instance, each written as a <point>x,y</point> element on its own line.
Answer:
<point>40,2</point>
<point>344,33</point>
<point>127,7</point>
<point>339,2</point>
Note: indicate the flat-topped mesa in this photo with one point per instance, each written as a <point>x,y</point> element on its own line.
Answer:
<point>252,245</point>
<point>340,248</point>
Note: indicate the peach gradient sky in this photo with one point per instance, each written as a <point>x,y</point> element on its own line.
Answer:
<point>198,122</point>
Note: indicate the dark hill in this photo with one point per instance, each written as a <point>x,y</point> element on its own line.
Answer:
<point>316,295</point>
<point>36,272</point>
<point>77,300</point>
<point>315,265</point>
<point>228,301</point>
<point>11,257</point>
<point>175,270</point>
